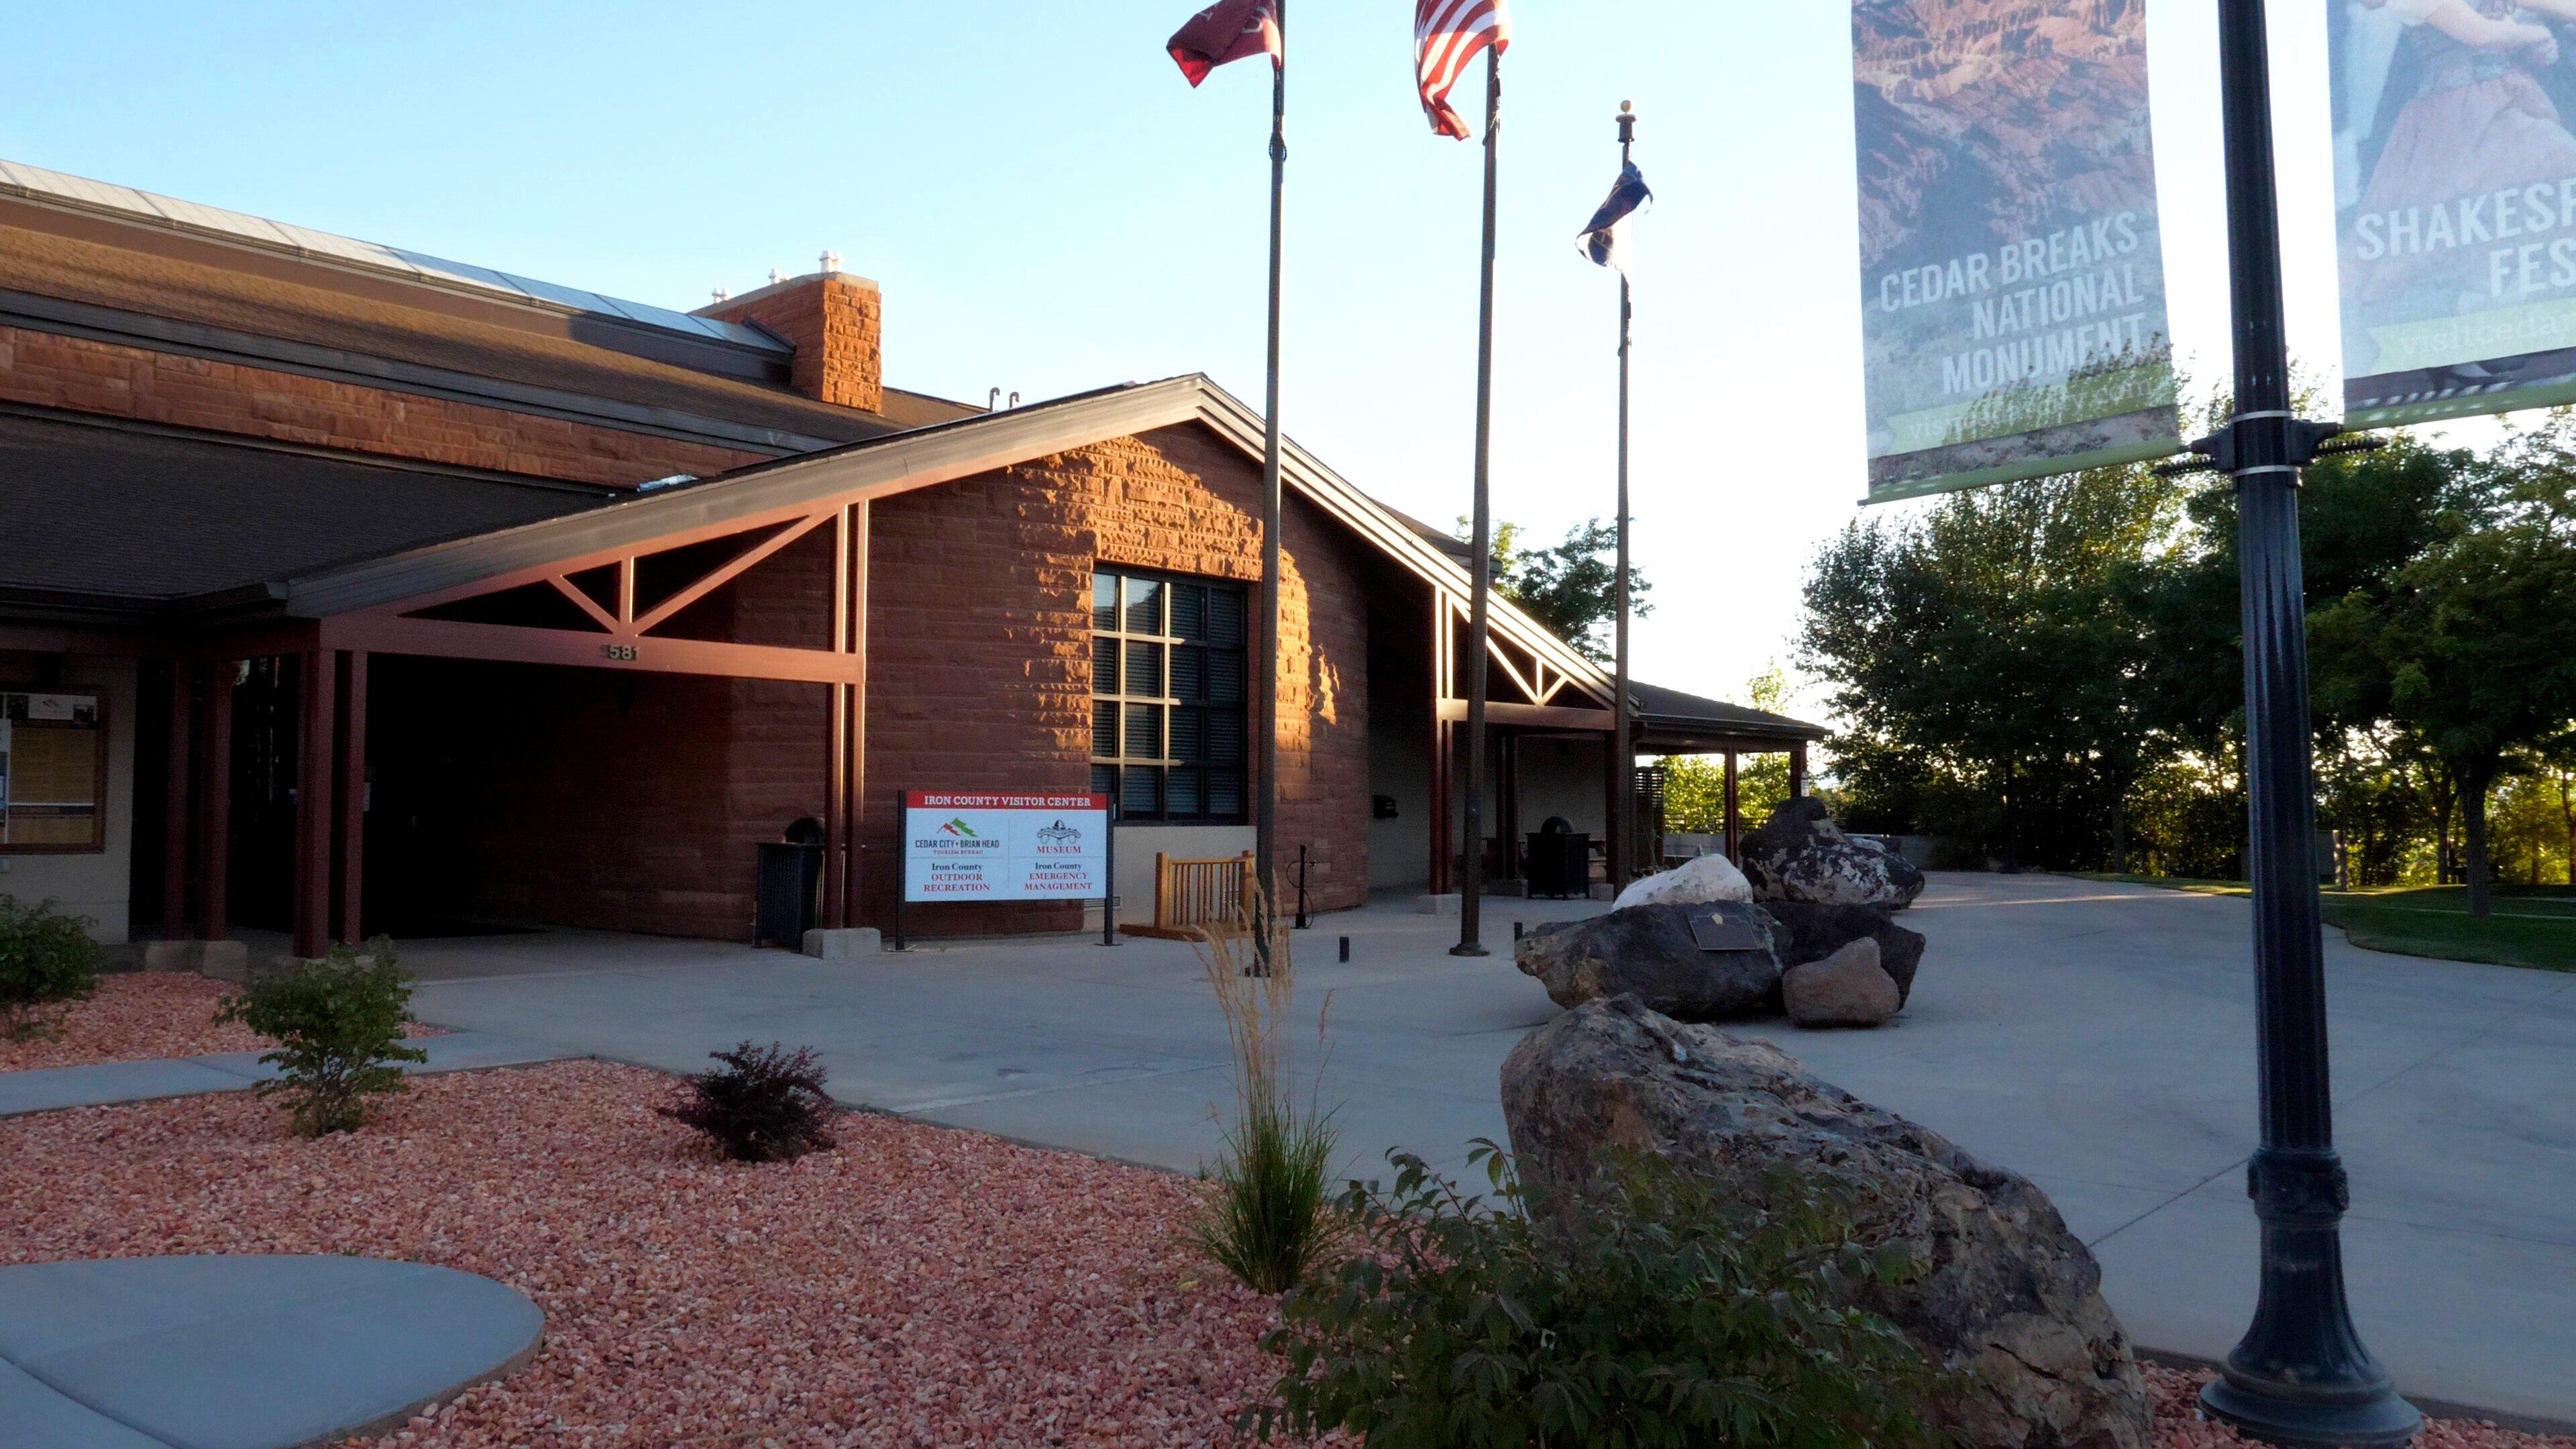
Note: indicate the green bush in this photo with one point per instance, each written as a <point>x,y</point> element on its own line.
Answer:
<point>338,1023</point>
<point>47,961</point>
<point>1666,1313</point>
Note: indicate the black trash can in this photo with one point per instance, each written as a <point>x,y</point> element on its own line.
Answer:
<point>791,877</point>
<point>1560,859</point>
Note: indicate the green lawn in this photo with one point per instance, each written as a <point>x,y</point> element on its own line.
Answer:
<point>2532,926</point>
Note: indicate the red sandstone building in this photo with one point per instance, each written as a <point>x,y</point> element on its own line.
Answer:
<point>346,590</point>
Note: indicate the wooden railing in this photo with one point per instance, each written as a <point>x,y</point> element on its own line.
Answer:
<point>1191,896</point>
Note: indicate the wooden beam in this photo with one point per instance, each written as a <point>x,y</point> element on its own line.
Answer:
<point>1734,821</point>
<point>510,643</point>
<point>836,737</point>
<point>855,774</point>
<point>1441,665</point>
<point>215,808</point>
<point>313,816</point>
<point>1539,716</point>
<point>661,613</point>
<point>1798,770</point>
<point>586,604</point>
<point>353,797</point>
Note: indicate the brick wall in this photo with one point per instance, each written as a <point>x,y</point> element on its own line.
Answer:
<point>979,638</point>
<point>836,323</point>
<point>49,370</point>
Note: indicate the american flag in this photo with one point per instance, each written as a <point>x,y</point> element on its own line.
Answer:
<point>1446,35</point>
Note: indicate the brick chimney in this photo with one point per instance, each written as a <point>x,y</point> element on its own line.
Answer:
<point>835,321</point>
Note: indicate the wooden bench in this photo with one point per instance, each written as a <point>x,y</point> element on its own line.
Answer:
<point>1191,896</point>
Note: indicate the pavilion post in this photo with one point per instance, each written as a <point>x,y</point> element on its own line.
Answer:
<point>1440,825</point>
<point>1798,770</point>
<point>215,810</point>
<point>176,821</point>
<point>353,796</point>
<point>313,772</point>
<point>1734,817</point>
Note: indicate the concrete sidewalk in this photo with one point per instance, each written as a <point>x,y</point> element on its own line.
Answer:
<point>50,1089</point>
<point>2097,1038</point>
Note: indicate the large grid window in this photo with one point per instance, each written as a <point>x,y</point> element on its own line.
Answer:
<point>1168,733</point>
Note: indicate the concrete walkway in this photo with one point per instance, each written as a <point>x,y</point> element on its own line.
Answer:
<point>50,1089</point>
<point>2098,1038</point>
<point>243,1352</point>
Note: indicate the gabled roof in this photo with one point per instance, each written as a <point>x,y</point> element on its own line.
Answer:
<point>1676,723</point>
<point>922,458</point>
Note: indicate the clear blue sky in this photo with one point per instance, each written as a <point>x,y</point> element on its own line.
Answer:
<point>1050,208</point>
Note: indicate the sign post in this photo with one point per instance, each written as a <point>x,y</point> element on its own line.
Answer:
<point>1006,846</point>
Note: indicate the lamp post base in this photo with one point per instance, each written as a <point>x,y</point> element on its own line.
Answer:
<point>1464,950</point>
<point>2383,1421</point>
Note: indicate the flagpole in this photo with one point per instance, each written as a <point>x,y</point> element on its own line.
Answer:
<point>1623,805</point>
<point>1265,829</point>
<point>1471,883</point>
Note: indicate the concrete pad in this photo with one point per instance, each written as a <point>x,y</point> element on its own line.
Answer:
<point>257,1352</point>
<point>1445,904</point>
<point>844,945</point>
<point>33,1416</point>
<point>51,1089</point>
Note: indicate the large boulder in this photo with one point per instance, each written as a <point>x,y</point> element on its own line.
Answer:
<point>1652,953</point>
<point>1709,878</point>
<point>1804,932</point>
<point>1801,855</point>
<point>1846,988</point>
<point>2006,1298</point>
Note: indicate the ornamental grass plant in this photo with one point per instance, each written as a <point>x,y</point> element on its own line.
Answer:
<point>1664,1311</point>
<point>1268,1218</point>
<point>338,1023</point>
<point>47,962</point>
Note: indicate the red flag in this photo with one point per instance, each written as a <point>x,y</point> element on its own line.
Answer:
<point>1230,30</point>
<point>1446,35</point>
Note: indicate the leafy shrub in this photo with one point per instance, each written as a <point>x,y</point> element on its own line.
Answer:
<point>1667,1312</point>
<point>47,961</point>
<point>1268,1220</point>
<point>765,1104</point>
<point>338,1023</point>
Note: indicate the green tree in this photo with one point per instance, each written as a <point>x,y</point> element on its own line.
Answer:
<point>1695,785</point>
<point>1571,588</point>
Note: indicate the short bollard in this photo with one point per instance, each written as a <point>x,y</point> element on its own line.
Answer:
<point>1516,929</point>
<point>1346,948</point>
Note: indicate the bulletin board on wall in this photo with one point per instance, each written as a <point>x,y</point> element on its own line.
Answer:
<point>53,772</point>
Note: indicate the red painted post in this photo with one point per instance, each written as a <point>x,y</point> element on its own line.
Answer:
<point>313,772</point>
<point>175,820</point>
<point>353,798</point>
<point>1734,819</point>
<point>215,813</point>
<point>836,725</point>
<point>855,775</point>
<point>1798,770</point>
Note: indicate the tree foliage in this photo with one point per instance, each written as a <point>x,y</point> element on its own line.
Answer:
<point>1572,588</point>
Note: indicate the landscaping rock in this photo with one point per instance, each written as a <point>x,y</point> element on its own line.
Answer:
<point>1804,932</point>
<point>1649,952</point>
<point>1846,988</point>
<point>1800,855</point>
<point>2006,1297</point>
<point>1709,878</point>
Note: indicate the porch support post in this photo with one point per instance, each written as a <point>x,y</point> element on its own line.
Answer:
<point>853,867</point>
<point>1734,819</point>
<point>313,772</point>
<point>177,823</point>
<point>1507,813</point>
<point>836,739</point>
<point>1443,851</point>
<point>215,811</point>
<point>1614,815</point>
<point>353,796</point>
<point>1798,770</point>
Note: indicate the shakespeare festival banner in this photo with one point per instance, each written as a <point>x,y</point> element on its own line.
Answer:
<point>2455,202</point>
<point>2012,275</point>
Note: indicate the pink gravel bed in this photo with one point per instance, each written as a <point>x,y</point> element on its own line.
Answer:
<point>913,1286</point>
<point>2175,1394</point>
<point>138,1017</point>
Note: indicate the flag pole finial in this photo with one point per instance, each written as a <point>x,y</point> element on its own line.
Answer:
<point>1627,123</point>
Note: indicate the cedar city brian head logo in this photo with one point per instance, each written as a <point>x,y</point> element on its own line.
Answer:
<point>960,829</point>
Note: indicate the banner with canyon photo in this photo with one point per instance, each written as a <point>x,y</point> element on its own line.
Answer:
<point>2455,205</point>
<point>2012,275</point>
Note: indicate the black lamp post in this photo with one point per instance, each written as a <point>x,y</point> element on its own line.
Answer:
<point>2300,1376</point>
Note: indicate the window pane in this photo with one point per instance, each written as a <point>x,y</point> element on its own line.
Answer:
<point>1104,666</point>
<point>1104,780</point>
<point>1225,676</point>
<point>1104,729</point>
<point>1185,734</point>
<point>1189,673</point>
<point>1104,602</point>
<point>1225,736</point>
<point>1144,732</point>
<point>1181,791</point>
<point>1225,616</point>
<point>1145,670</point>
<point>1224,792</point>
<point>1189,610</point>
<point>1145,606</point>
<point>1141,796</point>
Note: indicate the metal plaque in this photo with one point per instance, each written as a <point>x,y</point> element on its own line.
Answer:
<point>1714,932</point>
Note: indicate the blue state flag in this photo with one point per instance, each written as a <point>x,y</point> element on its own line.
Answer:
<point>1605,239</point>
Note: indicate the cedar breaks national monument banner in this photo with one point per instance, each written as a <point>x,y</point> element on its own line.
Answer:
<point>2455,204</point>
<point>2012,278</point>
